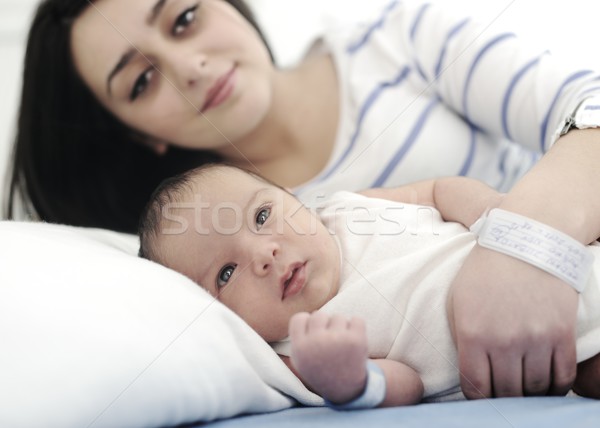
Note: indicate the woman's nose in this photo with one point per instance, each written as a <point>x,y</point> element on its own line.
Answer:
<point>187,69</point>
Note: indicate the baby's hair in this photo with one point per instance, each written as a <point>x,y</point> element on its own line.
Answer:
<point>169,191</point>
<point>173,190</point>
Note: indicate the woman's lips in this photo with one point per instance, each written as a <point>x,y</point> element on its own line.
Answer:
<point>296,282</point>
<point>220,90</point>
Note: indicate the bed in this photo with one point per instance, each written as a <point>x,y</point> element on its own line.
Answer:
<point>499,413</point>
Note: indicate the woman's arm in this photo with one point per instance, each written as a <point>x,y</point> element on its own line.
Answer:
<point>513,323</point>
<point>494,79</point>
<point>329,355</point>
<point>459,199</point>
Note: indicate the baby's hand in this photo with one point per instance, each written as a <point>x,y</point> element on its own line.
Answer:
<point>329,353</point>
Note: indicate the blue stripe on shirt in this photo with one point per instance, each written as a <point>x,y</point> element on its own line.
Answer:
<point>354,47</point>
<point>509,93</point>
<point>478,57</point>
<point>569,79</point>
<point>502,166</point>
<point>535,157</point>
<point>420,71</point>
<point>471,154</point>
<point>408,143</point>
<point>373,96</point>
<point>413,32</point>
<point>453,32</point>
<point>594,89</point>
<point>415,26</point>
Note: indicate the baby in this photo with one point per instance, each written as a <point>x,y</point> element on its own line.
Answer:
<point>317,284</point>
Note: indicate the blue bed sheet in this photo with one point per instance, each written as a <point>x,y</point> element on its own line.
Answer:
<point>544,412</point>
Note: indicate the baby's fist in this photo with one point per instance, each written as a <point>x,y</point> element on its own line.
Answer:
<point>330,353</point>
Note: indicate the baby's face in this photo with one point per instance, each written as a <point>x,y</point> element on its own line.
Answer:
<point>254,247</point>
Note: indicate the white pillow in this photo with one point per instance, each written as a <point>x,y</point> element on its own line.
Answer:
<point>91,335</point>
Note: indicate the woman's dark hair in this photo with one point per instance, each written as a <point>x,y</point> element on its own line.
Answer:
<point>73,161</point>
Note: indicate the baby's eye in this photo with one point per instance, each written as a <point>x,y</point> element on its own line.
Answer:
<point>224,275</point>
<point>184,20</point>
<point>141,84</point>
<point>262,216</point>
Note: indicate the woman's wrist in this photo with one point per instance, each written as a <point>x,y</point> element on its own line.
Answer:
<point>561,190</point>
<point>537,244</point>
<point>539,204</point>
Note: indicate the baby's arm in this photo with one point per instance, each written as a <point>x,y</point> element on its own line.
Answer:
<point>329,355</point>
<point>459,199</point>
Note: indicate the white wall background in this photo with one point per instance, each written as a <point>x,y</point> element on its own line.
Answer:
<point>14,18</point>
<point>568,27</point>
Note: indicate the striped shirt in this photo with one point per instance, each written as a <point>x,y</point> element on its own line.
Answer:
<point>425,94</point>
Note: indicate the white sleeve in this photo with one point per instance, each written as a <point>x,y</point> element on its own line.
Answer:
<point>492,79</point>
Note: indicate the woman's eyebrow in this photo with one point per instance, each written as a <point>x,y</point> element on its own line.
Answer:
<point>158,7</point>
<point>127,56</point>
<point>123,61</point>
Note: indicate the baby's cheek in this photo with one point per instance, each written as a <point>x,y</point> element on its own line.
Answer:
<point>272,330</point>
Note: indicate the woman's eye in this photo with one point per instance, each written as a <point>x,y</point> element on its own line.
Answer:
<point>262,216</point>
<point>141,84</point>
<point>184,20</point>
<point>224,275</point>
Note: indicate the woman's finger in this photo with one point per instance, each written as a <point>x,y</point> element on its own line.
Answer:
<point>507,374</point>
<point>475,373</point>
<point>537,372</point>
<point>564,369</point>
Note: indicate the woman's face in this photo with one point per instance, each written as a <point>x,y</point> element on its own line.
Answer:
<point>193,73</point>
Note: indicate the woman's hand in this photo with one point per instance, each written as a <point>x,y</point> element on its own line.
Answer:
<point>514,326</point>
<point>329,353</point>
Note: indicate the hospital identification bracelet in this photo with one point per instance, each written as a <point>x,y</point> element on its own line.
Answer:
<point>373,394</point>
<point>537,244</point>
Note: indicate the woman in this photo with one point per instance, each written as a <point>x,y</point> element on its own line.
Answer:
<point>118,95</point>
<point>73,160</point>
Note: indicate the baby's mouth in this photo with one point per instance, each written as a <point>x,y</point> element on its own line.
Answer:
<point>293,281</point>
